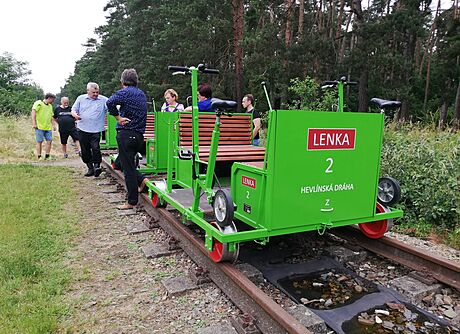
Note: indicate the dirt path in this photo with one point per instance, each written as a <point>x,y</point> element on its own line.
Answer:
<point>115,288</point>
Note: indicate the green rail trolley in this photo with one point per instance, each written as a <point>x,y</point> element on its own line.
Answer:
<point>320,170</point>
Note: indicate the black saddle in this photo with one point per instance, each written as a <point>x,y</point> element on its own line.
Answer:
<point>386,104</point>
<point>223,105</point>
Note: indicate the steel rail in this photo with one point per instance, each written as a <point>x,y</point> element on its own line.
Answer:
<point>445,271</point>
<point>270,317</point>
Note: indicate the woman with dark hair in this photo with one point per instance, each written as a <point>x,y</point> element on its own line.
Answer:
<point>131,118</point>
<point>204,98</point>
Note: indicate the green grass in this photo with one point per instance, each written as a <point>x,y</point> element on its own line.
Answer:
<point>17,139</point>
<point>36,228</point>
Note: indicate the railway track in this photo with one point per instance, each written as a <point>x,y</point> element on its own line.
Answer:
<point>429,265</point>
<point>258,307</point>
<point>268,316</point>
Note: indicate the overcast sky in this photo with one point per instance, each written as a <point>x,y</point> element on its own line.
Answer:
<point>48,34</point>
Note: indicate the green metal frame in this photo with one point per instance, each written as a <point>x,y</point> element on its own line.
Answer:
<point>328,188</point>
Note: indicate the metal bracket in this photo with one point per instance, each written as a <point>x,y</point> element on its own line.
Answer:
<point>323,227</point>
<point>208,242</point>
<point>262,241</point>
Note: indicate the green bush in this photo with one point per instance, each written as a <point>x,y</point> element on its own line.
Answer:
<point>427,165</point>
<point>306,94</point>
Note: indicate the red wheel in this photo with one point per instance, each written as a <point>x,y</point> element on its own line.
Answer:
<point>377,229</point>
<point>157,202</point>
<point>220,252</point>
<point>113,165</point>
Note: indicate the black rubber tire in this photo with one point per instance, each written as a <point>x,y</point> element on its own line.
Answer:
<point>389,191</point>
<point>223,200</point>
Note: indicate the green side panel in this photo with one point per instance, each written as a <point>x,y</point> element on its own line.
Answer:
<point>110,133</point>
<point>111,127</point>
<point>157,147</point>
<point>183,172</point>
<point>318,175</point>
<point>247,193</point>
<point>150,152</point>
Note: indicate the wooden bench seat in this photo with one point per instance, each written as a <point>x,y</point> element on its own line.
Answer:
<point>257,164</point>
<point>235,141</point>
<point>233,153</point>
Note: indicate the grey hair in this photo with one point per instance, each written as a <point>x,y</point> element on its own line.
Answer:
<point>129,77</point>
<point>92,85</point>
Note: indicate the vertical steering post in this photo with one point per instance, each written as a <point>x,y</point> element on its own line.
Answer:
<point>195,124</point>
<point>195,139</point>
<point>213,153</point>
<point>340,85</point>
<point>170,163</point>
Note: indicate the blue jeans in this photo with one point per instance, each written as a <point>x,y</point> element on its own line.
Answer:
<point>41,135</point>
<point>256,142</point>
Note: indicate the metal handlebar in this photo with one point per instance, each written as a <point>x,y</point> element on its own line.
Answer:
<point>186,70</point>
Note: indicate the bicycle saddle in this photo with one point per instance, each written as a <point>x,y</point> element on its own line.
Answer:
<point>223,105</point>
<point>386,104</point>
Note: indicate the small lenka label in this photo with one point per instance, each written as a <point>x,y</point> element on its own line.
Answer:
<point>248,182</point>
<point>247,208</point>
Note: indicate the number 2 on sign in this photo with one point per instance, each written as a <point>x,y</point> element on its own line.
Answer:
<point>329,168</point>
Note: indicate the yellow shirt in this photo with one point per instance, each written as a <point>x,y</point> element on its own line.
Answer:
<point>44,113</point>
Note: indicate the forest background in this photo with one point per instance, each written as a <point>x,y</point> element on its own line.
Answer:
<point>408,50</point>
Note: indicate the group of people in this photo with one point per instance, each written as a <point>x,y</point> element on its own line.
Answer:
<point>204,104</point>
<point>84,122</point>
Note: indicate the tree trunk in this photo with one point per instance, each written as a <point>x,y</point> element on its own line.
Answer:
<point>457,109</point>
<point>443,116</point>
<point>289,17</point>
<point>238,31</point>
<point>301,18</point>
<point>330,23</point>
<point>363,102</point>
<point>364,76</point>
<point>344,39</point>
<point>428,74</point>
<point>339,20</point>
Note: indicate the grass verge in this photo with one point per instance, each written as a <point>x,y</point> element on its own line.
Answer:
<point>36,225</point>
<point>17,139</point>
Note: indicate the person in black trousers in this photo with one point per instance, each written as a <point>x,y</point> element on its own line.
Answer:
<point>131,119</point>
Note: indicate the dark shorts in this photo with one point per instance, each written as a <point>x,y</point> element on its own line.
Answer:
<point>65,135</point>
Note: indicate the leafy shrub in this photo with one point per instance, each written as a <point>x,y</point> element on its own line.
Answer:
<point>427,165</point>
<point>307,94</point>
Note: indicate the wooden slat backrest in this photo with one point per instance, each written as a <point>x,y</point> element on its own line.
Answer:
<point>150,126</point>
<point>234,130</point>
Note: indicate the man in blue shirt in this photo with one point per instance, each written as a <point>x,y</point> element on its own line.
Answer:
<point>90,112</point>
<point>131,119</point>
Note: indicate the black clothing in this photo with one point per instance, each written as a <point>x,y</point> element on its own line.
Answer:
<point>65,135</point>
<point>90,171</point>
<point>133,105</point>
<point>255,115</point>
<point>90,149</point>
<point>65,119</point>
<point>129,143</point>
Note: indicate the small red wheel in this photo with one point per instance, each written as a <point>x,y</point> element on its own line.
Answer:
<point>113,165</point>
<point>157,202</point>
<point>377,229</point>
<point>220,252</point>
